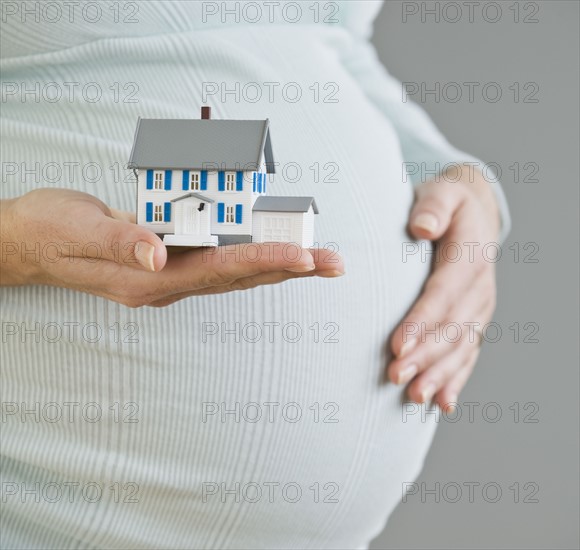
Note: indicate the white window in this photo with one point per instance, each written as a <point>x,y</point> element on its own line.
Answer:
<point>158,180</point>
<point>158,213</point>
<point>230,181</point>
<point>230,214</point>
<point>276,229</point>
<point>194,181</point>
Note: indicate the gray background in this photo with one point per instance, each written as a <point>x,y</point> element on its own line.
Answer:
<point>546,292</point>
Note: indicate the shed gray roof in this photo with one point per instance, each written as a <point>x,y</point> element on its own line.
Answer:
<point>285,204</point>
<point>192,144</point>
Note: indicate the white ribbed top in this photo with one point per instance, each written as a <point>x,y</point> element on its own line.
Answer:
<point>163,379</point>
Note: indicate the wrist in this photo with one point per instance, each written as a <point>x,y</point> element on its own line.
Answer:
<point>12,267</point>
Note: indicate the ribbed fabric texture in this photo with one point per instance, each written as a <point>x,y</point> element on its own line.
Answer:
<point>160,368</point>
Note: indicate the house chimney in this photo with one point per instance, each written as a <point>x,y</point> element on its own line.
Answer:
<point>205,113</point>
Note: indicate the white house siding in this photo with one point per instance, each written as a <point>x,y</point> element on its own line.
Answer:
<point>245,198</point>
<point>262,169</point>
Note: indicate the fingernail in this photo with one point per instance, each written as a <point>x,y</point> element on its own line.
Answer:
<point>407,373</point>
<point>301,268</point>
<point>144,253</point>
<point>451,405</point>
<point>427,392</point>
<point>330,273</point>
<point>426,221</point>
<point>408,346</point>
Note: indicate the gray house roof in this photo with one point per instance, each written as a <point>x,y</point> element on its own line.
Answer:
<point>285,204</point>
<point>191,144</point>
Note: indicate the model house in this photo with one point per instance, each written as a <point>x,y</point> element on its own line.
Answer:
<point>204,183</point>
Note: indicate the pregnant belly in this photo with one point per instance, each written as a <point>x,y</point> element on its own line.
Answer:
<point>257,419</point>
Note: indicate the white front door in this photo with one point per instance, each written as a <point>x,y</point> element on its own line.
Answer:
<point>191,219</point>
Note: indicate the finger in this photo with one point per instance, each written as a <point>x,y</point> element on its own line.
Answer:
<point>188,272</point>
<point>437,342</point>
<point>422,339</point>
<point>123,215</point>
<point>245,283</point>
<point>432,306</point>
<point>434,208</point>
<point>424,387</point>
<point>425,357</point>
<point>327,261</point>
<point>455,269</point>
<point>121,242</point>
<point>448,395</point>
<point>204,268</point>
<point>253,281</point>
<point>445,294</point>
<point>88,228</point>
<point>460,238</point>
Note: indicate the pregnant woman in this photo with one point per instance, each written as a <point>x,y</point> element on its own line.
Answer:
<point>187,400</point>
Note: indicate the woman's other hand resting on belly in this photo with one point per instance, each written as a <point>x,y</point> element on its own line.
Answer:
<point>461,216</point>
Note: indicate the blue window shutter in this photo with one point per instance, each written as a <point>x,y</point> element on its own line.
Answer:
<point>239,181</point>
<point>167,180</point>
<point>149,179</point>
<point>203,180</point>
<point>238,213</point>
<point>254,182</point>
<point>167,212</point>
<point>221,181</point>
<point>185,180</point>
<point>259,182</point>
<point>221,212</point>
<point>148,211</point>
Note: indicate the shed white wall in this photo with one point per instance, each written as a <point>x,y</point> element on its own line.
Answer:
<point>308,228</point>
<point>301,228</point>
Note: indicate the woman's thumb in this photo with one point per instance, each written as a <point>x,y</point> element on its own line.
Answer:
<point>435,205</point>
<point>129,244</point>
